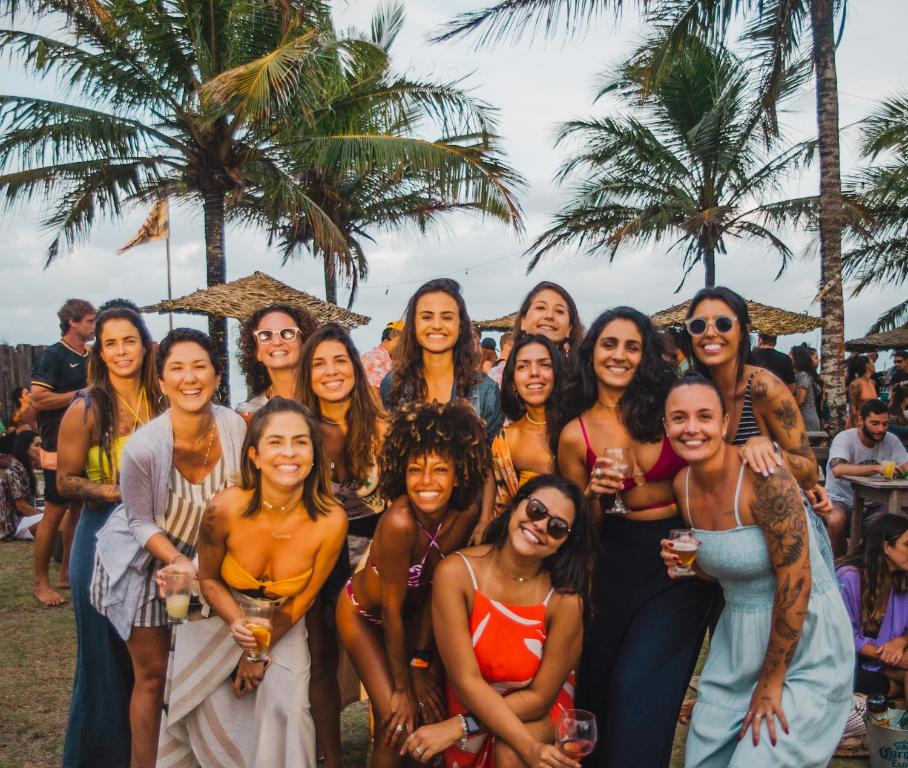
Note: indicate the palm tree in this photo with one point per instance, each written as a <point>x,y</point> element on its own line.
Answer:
<point>776,28</point>
<point>686,164</point>
<point>881,191</point>
<point>365,164</point>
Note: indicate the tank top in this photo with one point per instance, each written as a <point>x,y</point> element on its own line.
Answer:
<point>747,424</point>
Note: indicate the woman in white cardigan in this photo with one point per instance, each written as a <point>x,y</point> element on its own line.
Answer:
<point>171,467</point>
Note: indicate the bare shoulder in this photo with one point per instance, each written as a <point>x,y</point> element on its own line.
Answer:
<point>766,386</point>
<point>397,520</point>
<point>336,520</point>
<point>566,606</point>
<point>775,497</point>
<point>228,504</point>
<point>452,571</point>
<point>571,437</point>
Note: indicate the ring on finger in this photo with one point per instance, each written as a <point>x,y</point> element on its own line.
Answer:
<point>597,473</point>
<point>419,750</point>
<point>399,728</point>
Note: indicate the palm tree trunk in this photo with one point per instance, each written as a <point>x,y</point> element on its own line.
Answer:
<point>708,254</point>
<point>330,279</point>
<point>832,305</point>
<point>216,271</point>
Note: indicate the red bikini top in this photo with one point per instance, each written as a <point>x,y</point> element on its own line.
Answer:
<point>666,467</point>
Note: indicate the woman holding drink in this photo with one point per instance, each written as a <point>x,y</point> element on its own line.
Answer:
<point>513,611</point>
<point>776,686</point>
<point>122,396</point>
<point>433,464</point>
<point>335,388</point>
<point>170,468</point>
<point>265,547</point>
<point>646,631</point>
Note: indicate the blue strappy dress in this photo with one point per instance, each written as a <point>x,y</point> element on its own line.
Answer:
<point>817,692</point>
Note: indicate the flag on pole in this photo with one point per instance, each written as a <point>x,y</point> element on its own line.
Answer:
<point>156,227</point>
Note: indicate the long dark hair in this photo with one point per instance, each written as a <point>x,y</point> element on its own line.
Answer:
<point>100,395</point>
<point>407,382</point>
<point>738,306</point>
<point>643,401</point>
<point>511,403</point>
<point>876,579</point>
<point>568,567</point>
<point>855,367</point>
<point>21,444</point>
<point>317,495</point>
<point>570,343</point>
<point>257,378</point>
<point>363,413</point>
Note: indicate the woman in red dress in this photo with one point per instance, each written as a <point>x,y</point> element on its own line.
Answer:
<point>512,610</point>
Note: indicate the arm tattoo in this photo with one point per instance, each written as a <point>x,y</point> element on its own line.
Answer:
<point>759,391</point>
<point>207,533</point>
<point>836,462</point>
<point>786,416</point>
<point>779,511</point>
<point>82,488</point>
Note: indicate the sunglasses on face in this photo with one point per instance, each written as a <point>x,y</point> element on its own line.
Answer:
<point>697,326</point>
<point>286,334</point>
<point>557,528</point>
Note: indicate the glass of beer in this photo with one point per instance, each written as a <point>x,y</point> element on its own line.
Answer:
<point>257,615</point>
<point>176,596</point>
<point>685,546</point>
<point>575,732</point>
<point>887,468</point>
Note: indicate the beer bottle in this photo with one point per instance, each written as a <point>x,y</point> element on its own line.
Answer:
<point>878,710</point>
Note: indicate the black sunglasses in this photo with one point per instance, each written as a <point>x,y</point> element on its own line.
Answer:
<point>696,326</point>
<point>557,528</point>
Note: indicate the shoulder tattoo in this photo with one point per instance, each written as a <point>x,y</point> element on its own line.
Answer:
<point>778,509</point>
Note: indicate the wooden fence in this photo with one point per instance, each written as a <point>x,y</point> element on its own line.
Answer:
<point>15,371</point>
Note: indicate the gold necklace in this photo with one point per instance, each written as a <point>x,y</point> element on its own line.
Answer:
<point>137,413</point>
<point>340,423</point>
<point>276,534</point>
<point>533,421</point>
<point>207,453</point>
<point>514,577</point>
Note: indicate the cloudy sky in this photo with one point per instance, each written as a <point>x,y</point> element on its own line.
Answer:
<point>535,85</point>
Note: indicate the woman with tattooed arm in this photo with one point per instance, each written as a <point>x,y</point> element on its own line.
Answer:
<point>776,686</point>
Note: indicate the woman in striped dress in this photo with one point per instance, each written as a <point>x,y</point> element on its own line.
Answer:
<point>171,468</point>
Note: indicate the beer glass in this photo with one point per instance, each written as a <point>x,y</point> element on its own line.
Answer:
<point>685,546</point>
<point>575,732</point>
<point>177,587</point>
<point>621,460</point>
<point>257,615</point>
<point>887,468</point>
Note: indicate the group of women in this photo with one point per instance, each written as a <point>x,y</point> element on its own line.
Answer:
<point>486,558</point>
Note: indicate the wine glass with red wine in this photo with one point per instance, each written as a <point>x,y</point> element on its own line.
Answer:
<point>575,732</point>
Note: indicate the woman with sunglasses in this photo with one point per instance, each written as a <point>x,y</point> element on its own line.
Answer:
<point>646,631</point>
<point>526,447</point>
<point>433,465</point>
<point>549,310</point>
<point>776,688</point>
<point>437,359</point>
<point>270,343</point>
<point>334,386</point>
<point>513,611</point>
<point>122,396</point>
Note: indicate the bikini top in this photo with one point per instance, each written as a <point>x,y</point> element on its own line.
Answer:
<point>414,572</point>
<point>240,579</point>
<point>747,424</point>
<point>666,467</point>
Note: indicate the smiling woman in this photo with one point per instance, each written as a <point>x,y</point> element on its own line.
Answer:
<point>549,310</point>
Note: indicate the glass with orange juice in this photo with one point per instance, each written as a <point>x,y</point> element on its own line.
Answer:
<point>258,615</point>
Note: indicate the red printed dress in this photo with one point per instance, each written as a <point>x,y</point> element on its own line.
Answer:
<point>508,642</point>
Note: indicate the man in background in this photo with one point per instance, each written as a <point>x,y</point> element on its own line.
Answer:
<point>56,378</point>
<point>377,361</point>
<point>507,344</point>
<point>766,356</point>
<point>898,374</point>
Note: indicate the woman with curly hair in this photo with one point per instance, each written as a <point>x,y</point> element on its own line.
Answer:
<point>122,396</point>
<point>527,446</point>
<point>437,359</point>
<point>433,465</point>
<point>646,630</point>
<point>334,386</point>
<point>549,310</point>
<point>513,611</point>
<point>270,343</point>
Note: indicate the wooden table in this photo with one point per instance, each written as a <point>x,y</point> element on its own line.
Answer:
<point>890,493</point>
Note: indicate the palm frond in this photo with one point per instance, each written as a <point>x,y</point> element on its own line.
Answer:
<point>894,317</point>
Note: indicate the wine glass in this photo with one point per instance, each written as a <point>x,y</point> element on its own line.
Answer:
<point>621,460</point>
<point>575,732</point>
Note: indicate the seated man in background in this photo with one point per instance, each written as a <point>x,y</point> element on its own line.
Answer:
<point>859,451</point>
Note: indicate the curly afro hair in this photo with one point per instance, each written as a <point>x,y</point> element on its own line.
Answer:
<point>453,431</point>
<point>257,379</point>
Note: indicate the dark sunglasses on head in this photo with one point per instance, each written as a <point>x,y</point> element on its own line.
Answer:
<point>696,326</point>
<point>557,528</point>
<point>286,334</point>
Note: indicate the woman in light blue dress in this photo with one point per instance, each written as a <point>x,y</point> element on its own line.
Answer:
<point>776,686</point>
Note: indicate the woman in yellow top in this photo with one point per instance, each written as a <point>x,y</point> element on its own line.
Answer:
<point>274,538</point>
<point>122,395</point>
<point>527,446</point>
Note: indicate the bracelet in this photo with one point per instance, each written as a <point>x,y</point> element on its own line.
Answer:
<point>777,449</point>
<point>176,557</point>
<point>462,742</point>
<point>418,662</point>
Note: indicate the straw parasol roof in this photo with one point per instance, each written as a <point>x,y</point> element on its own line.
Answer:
<point>894,339</point>
<point>240,298</point>
<point>769,320</point>
<point>505,323</point>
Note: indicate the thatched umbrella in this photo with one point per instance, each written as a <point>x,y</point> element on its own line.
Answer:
<point>240,298</point>
<point>505,323</point>
<point>763,318</point>
<point>894,339</point>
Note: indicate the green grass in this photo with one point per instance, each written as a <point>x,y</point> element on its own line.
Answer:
<point>37,651</point>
